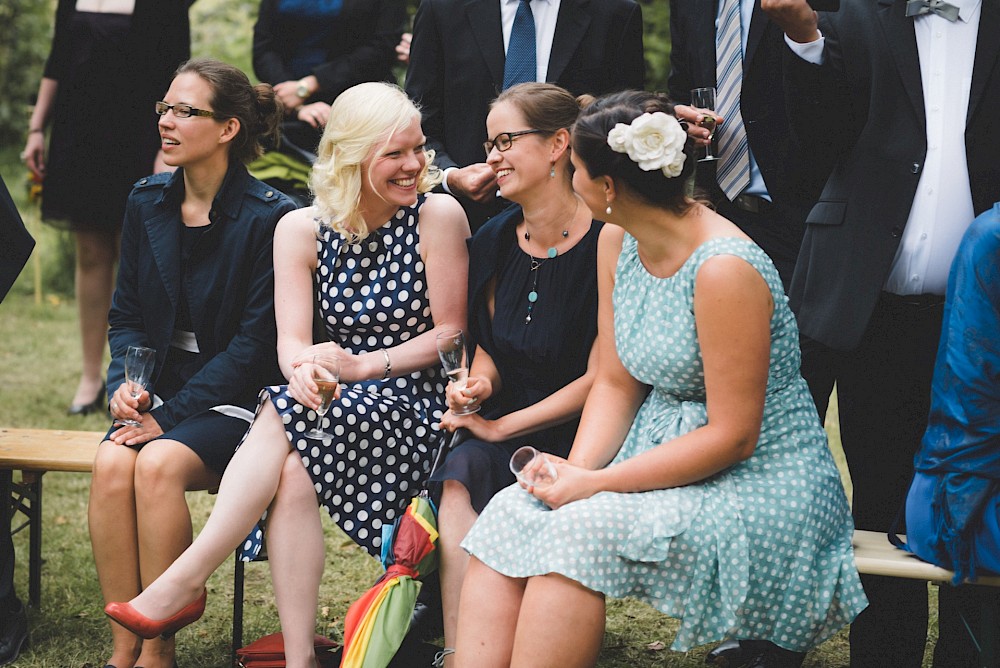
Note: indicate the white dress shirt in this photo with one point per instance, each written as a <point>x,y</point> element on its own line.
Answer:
<point>545,12</point>
<point>942,207</point>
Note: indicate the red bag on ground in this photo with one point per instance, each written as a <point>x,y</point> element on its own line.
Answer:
<point>269,652</point>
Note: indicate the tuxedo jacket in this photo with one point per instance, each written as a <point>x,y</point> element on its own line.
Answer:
<point>864,109</point>
<point>457,61</point>
<point>790,178</point>
<point>228,281</point>
<point>361,46</point>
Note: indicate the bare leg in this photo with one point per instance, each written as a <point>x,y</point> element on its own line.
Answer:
<point>487,618</point>
<point>95,259</point>
<point>114,536</point>
<point>246,490</point>
<point>560,625</point>
<point>295,553</point>
<point>455,517</point>
<point>164,470</point>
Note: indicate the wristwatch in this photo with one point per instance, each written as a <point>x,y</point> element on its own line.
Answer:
<point>302,91</point>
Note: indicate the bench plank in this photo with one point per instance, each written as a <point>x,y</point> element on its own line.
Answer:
<point>875,555</point>
<point>48,449</point>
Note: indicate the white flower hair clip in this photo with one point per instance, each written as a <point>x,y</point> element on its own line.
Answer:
<point>653,141</point>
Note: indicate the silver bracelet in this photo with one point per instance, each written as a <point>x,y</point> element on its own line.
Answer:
<point>388,365</point>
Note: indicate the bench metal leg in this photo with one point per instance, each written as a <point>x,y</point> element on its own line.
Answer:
<point>26,497</point>
<point>988,631</point>
<point>237,606</point>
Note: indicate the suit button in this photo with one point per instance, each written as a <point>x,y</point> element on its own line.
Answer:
<point>269,194</point>
<point>143,182</point>
<point>897,232</point>
<point>915,168</point>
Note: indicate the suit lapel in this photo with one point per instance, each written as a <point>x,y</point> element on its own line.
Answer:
<point>758,23</point>
<point>165,243</point>
<point>484,20</point>
<point>987,55</point>
<point>902,42</point>
<point>571,26</point>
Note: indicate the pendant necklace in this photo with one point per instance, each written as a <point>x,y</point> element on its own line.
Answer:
<point>535,263</point>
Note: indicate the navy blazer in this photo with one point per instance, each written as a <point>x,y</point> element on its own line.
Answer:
<point>229,289</point>
<point>864,109</point>
<point>15,242</point>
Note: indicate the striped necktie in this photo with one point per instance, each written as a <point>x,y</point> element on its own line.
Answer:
<point>733,170</point>
<point>520,64</point>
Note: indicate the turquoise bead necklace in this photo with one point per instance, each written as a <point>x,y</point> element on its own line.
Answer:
<point>536,263</point>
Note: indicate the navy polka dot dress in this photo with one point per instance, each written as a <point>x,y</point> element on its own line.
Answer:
<point>373,295</point>
<point>761,550</point>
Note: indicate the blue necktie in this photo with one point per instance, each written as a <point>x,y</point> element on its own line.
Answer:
<point>520,64</point>
<point>733,170</point>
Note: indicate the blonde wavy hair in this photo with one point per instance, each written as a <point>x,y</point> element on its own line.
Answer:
<point>362,121</point>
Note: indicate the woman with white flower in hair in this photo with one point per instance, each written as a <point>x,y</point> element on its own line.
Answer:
<point>700,480</point>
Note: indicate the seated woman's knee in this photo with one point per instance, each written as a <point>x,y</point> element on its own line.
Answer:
<point>114,469</point>
<point>161,463</point>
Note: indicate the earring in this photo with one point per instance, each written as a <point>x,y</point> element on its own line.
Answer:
<point>552,171</point>
<point>608,210</point>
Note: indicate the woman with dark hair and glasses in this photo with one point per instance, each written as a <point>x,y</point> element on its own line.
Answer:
<point>195,284</point>
<point>700,480</point>
<point>532,318</point>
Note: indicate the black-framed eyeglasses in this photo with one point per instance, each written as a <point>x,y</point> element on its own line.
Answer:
<point>182,110</point>
<point>505,140</point>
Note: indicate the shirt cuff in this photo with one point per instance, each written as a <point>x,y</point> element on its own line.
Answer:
<point>444,180</point>
<point>811,52</point>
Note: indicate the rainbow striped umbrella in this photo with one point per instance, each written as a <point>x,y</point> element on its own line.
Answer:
<point>378,621</point>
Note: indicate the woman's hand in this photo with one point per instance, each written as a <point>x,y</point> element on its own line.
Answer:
<point>303,388</point>
<point>477,390</point>
<point>483,429</point>
<point>123,406</point>
<point>353,368</point>
<point>145,432</point>
<point>315,114</point>
<point>34,155</point>
<point>572,484</point>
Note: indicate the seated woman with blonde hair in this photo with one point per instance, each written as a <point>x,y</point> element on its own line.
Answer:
<point>387,266</point>
<point>700,480</point>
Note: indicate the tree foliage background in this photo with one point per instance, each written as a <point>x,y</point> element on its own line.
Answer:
<point>220,28</point>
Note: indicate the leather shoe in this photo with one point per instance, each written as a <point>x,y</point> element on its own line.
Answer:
<point>13,635</point>
<point>753,654</point>
<point>147,628</point>
<point>94,406</point>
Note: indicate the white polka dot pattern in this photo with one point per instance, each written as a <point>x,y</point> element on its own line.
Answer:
<point>385,433</point>
<point>761,550</point>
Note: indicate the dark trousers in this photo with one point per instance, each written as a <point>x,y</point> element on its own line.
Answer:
<point>883,394</point>
<point>8,597</point>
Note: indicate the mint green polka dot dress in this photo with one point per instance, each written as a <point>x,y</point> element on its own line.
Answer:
<point>761,550</point>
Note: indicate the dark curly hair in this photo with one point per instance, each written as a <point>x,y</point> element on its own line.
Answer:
<point>590,142</point>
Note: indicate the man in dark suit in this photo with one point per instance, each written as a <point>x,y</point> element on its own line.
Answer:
<point>907,107</point>
<point>15,247</point>
<point>457,59</point>
<point>781,186</point>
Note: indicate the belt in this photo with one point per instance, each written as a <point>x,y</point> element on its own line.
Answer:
<point>919,302</point>
<point>753,204</point>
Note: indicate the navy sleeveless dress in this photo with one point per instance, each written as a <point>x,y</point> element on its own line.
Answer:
<point>372,295</point>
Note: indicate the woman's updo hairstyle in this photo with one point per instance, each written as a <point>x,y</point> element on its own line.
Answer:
<point>590,141</point>
<point>545,106</point>
<point>362,121</point>
<point>233,96</point>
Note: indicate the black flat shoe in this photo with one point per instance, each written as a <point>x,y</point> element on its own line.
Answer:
<point>94,406</point>
<point>13,635</point>
<point>753,654</point>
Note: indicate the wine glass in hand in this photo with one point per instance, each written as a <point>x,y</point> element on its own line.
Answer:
<point>532,467</point>
<point>326,375</point>
<point>139,364</point>
<point>455,359</point>
<point>704,98</point>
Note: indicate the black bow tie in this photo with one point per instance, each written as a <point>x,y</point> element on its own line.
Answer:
<point>939,7</point>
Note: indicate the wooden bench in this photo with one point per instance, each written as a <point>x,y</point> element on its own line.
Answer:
<point>875,555</point>
<point>34,452</point>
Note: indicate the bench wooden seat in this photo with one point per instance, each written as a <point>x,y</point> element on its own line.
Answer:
<point>35,452</point>
<point>875,555</point>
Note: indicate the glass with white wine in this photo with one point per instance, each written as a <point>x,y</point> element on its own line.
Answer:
<point>455,360</point>
<point>326,375</point>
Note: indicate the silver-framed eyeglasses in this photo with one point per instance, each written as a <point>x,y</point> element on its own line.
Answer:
<point>505,140</point>
<point>182,110</point>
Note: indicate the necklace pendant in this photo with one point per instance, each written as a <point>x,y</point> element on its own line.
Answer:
<point>532,297</point>
<point>527,319</point>
<point>552,252</point>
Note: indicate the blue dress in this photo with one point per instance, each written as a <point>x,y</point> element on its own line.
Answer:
<point>761,550</point>
<point>372,295</point>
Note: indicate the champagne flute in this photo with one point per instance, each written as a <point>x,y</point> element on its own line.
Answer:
<point>704,98</point>
<point>455,360</point>
<point>326,375</point>
<point>139,364</point>
<point>532,467</point>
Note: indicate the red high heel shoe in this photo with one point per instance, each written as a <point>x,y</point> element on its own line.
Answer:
<point>147,628</point>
